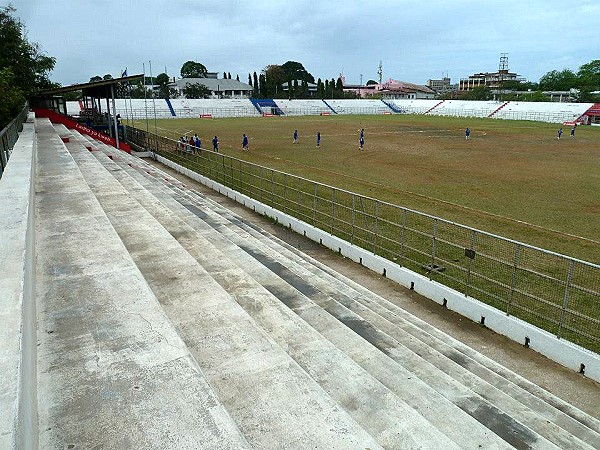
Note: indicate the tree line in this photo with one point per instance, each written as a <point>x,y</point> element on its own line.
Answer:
<point>24,68</point>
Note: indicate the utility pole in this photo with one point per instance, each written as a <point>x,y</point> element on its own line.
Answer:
<point>380,71</point>
<point>360,87</point>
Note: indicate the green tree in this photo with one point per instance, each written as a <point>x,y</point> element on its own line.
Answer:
<point>196,90</point>
<point>274,77</point>
<point>370,82</point>
<point>477,93</point>
<point>26,60</point>
<point>249,80</point>
<point>162,81</point>
<point>304,90</point>
<point>339,88</point>
<point>562,80</point>
<point>262,86</point>
<point>589,75</point>
<point>72,96</point>
<point>108,76</point>
<point>255,86</point>
<point>320,89</point>
<point>12,98</point>
<point>193,69</point>
<point>139,90</point>
<point>95,79</point>
<point>296,71</point>
<point>534,96</point>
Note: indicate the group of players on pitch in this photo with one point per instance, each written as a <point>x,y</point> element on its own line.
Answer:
<point>361,138</point>
<point>193,144</point>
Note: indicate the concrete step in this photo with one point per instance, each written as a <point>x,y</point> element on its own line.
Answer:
<point>271,398</point>
<point>266,281</point>
<point>108,357</point>
<point>17,315</point>
<point>375,407</point>
<point>546,410</point>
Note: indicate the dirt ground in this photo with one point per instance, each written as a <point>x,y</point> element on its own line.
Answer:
<point>568,385</point>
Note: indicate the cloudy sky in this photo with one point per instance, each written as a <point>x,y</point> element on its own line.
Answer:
<point>414,40</point>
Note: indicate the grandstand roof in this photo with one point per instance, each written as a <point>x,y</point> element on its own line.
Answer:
<point>98,89</point>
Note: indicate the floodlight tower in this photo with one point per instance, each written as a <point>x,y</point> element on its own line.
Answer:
<point>380,71</point>
<point>502,71</point>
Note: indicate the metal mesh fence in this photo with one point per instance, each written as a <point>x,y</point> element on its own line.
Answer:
<point>554,292</point>
<point>9,136</point>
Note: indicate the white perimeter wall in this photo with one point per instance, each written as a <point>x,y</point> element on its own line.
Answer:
<point>561,351</point>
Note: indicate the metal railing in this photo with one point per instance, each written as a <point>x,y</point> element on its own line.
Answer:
<point>557,293</point>
<point>9,135</point>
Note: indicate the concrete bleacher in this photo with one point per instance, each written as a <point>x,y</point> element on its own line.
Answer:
<point>358,106</point>
<point>138,108</point>
<point>302,107</point>
<point>464,108</point>
<point>543,111</point>
<point>165,320</point>
<point>413,106</point>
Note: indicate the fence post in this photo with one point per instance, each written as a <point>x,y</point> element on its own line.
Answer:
<point>566,298</point>
<point>513,281</point>
<point>376,227</point>
<point>283,206</point>
<point>403,237</point>
<point>333,208</point>
<point>260,188</point>
<point>468,283</point>
<point>298,198</point>
<point>272,189</point>
<point>433,242</point>
<point>353,218</point>
<point>315,207</point>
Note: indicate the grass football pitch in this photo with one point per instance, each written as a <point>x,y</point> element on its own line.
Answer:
<point>511,178</point>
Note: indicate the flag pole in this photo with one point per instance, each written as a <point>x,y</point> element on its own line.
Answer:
<point>124,74</point>
<point>153,98</point>
<point>145,102</point>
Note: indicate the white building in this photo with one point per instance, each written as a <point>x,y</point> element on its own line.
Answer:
<point>219,87</point>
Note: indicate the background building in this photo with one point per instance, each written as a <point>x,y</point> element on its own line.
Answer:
<point>391,89</point>
<point>219,87</point>
<point>491,80</point>
<point>442,86</point>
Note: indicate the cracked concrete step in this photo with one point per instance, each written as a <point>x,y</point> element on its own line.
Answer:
<point>274,401</point>
<point>559,418</point>
<point>105,365</point>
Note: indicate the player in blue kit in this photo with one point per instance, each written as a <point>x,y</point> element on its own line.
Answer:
<point>295,137</point>
<point>318,138</point>
<point>467,133</point>
<point>361,139</point>
<point>559,133</point>
<point>245,142</point>
<point>215,143</point>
